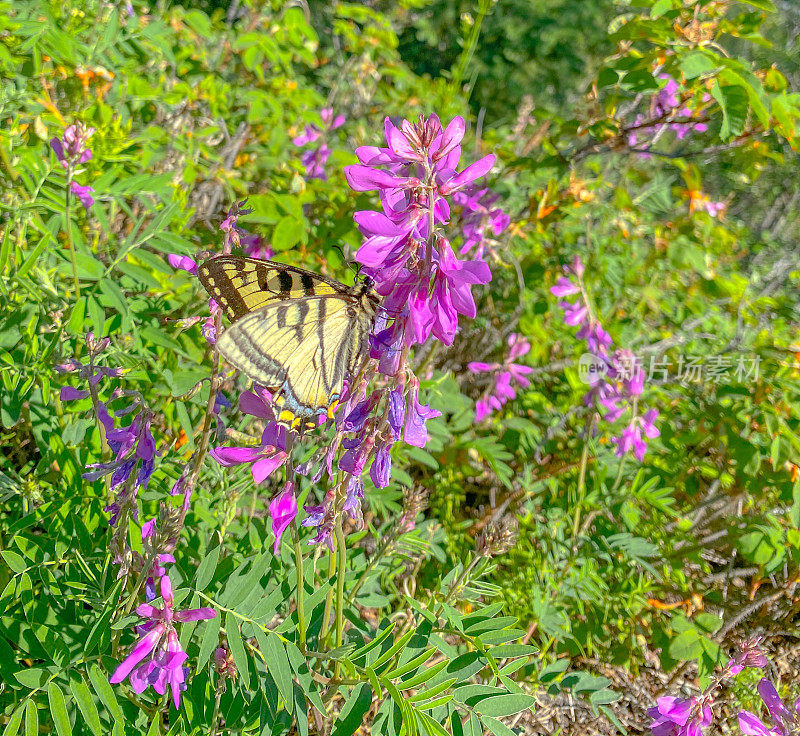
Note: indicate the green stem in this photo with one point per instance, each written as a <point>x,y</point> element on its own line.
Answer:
<point>384,548</point>
<point>582,479</point>
<point>298,561</point>
<point>215,717</point>
<point>341,552</point>
<point>326,617</point>
<point>471,44</point>
<point>68,226</point>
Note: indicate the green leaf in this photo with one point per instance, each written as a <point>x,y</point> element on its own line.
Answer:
<point>412,665</point>
<point>236,645</point>
<point>58,710</point>
<point>686,645</point>
<point>12,727</point>
<point>351,716</point>
<point>83,697</point>
<point>424,676</point>
<point>277,662</point>
<point>31,719</point>
<point>206,569</point>
<point>287,233</point>
<point>15,561</point>
<point>33,677</point>
<point>498,728</point>
<point>106,693</point>
<point>394,649</point>
<point>210,640</point>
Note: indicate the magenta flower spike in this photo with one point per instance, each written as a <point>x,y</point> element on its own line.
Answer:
<point>157,659</point>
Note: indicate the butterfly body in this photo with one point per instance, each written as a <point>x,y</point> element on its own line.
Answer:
<point>293,331</point>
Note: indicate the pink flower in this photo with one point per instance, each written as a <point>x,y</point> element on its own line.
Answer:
<point>283,509</point>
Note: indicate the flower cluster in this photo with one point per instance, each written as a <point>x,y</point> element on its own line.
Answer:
<point>315,158</point>
<point>72,151</point>
<point>782,721</point>
<point>158,658</point>
<point>616,378</point>
<point>424,287</point>
<point>667,112</point>
<point>414,268</point>
<point>674,716</point>
<point>480,220</point>
<point>501,390</point>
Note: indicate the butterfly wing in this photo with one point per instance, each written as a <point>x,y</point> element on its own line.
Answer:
<point>242,285</point>
<point>303,348</point>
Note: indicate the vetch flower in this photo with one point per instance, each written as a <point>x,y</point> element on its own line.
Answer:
<point>784,722</point>
<point>314,159</point>
<point>83,193</point>
<point>502,390</point>
<point>282,510</point>
<point>157,659</point>
<point>679,717</point>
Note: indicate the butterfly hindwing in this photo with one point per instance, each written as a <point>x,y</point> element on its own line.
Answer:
<point>303,348</point>
<point>242,285</point>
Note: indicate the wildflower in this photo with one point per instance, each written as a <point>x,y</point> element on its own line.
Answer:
<point>616,388</point>
<point>417,415</point>
<point>479,219</point>
<point>679,717</point>
<point>265,459</point>
<point>749,654</point>
<point>283,509</point>
<point>83,193</point>
<point>783,721</point>
<point>700,201</point>
<point>182,263</point>
<point>71,148</point>
<point>314,159</point>
<point>502,390</point>
<point>632,437</point>
<point>158,658</point>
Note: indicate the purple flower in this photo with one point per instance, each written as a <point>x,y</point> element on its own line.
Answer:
<point>182,263</point>
<point>157,658</point>
<point>315,159</point>
<point>502,389</point>
<point>417,414</point>
<point>71,148</point>
<point>564,287</point>
<point>632,437</point>
<point>783,721</point>
<point>381,470</point>
<point>283,509</point>
<point>265,459</point>
<point>749,654</point>
<point>679,717</point>
<point>83,193</point>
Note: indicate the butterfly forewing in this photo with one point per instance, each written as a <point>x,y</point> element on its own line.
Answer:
<point>243,285</point>
<point>293,331</point>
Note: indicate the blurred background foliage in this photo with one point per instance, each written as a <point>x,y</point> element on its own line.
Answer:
<point>627,577</point>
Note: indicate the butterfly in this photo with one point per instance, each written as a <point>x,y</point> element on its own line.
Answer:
<point>293,331</point>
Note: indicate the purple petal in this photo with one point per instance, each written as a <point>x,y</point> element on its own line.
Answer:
<point>195,614</point>
<point>70,393</point>
<point>227,456</point>
<point>137,654</point>
<point>473,171</point>
<point>452,137</point>
<point>263,468</point>
<point>365,179</point>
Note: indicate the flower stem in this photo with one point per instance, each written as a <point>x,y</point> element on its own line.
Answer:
<point>298,561</point>
<point>68,227</point>
<point>384,548</point>
<point>214,730</point>
<point>582,478</point>
<point>328,601</point>
<point>341,552</point>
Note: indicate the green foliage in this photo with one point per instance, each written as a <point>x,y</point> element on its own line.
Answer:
<point>194,107</point>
